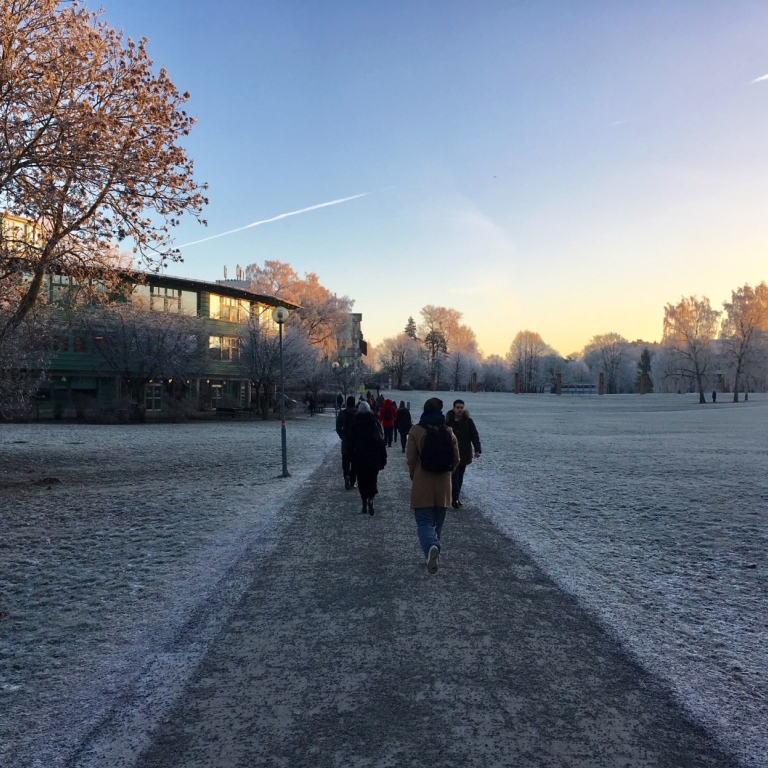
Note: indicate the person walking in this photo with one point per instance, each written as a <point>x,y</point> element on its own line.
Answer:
<point>459,420</point>
<point>369,455</point>
<point>432,455</point>
<point>340,402</point>
<point>403,423</point>
<point>343,426</point>
<point>387,416</point>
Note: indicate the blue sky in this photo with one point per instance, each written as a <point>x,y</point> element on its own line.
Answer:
<point>565,168</point>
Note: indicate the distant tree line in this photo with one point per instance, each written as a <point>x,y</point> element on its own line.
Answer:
<point>701,348</point>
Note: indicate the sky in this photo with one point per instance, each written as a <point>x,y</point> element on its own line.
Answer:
<point>566,168</point>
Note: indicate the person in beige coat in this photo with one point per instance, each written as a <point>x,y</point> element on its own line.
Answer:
<point>430,491</point>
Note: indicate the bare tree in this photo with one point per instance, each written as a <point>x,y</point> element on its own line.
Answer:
<point>322,313</point>
<point>551,365</point>
<point>89,151</point>
<point>447,322</point>
<point>23,358</point>
<point>259,357</point>
<point>689,330</point>
<point>609,352</point>
<point>140,344</point>
<point>745,329</point>
<point>524,357</point>
<point>436,349</point>
<point>398,355</point>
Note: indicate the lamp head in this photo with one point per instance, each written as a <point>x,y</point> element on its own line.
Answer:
<point>280,315</point>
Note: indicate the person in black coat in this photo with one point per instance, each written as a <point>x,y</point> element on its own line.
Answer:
<point>369,454</point>
<point>465,430</point>
<point>403,423</point>
<point>343,426</point>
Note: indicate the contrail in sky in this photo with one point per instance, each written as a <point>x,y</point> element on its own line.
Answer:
<point>275,218</point>
<point>760,79</point>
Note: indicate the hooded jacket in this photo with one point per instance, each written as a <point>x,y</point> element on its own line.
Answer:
<point>466,433</point>
<point>388,422</point>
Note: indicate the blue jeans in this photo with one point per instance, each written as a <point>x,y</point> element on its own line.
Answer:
<point>429,524</point>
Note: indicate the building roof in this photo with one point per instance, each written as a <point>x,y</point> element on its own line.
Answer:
<point>222,289</point>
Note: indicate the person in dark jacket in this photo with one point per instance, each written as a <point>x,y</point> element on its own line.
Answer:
<point>369,454</point>
<point>343,425</point>
<point>403,423</point>
<point>465,430</point>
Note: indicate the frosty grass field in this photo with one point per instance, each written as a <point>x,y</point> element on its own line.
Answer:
<point>651,510</point>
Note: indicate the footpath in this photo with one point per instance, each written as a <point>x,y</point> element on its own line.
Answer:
<point>344,652</point>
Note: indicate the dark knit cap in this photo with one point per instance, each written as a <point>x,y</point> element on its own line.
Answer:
<point>434,404</point>
<point>351,401</point>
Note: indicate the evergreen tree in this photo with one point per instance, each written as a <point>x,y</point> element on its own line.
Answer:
<point>410,328</point>
<point>644,367</point>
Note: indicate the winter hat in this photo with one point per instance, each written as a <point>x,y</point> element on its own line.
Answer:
<point>434,404</point>
<point>363,407</point>
<point>351,401</point>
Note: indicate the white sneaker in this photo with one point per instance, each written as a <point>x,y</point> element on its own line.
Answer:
<point>432,556</point>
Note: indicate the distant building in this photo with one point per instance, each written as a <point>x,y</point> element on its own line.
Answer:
<point>349,343</point>
<point>79,381</point>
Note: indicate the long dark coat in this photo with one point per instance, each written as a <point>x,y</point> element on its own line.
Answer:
<point>343,426</point>
<point>365,446</point>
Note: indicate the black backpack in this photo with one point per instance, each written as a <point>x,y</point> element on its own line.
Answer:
<point>437,450</point>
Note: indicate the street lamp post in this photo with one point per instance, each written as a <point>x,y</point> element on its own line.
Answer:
<point>280,315</point>
<point>343,379</point>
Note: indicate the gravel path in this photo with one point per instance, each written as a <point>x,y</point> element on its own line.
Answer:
<point>342,651</point>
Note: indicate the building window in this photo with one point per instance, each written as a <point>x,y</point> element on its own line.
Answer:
<point>153,397</point>
<point>229,309</point>
<point>164,299</point>
<point>224,348</point>
<point>217,392</point>
<point>60,342</point>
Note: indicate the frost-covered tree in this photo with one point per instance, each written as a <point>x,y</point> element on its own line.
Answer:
<point>139,344</point>
<point>551,365</point>
<point>89,153</point>
<point>494,374</point>
<point>525,355</point>
<point>690,327</point>
<point>398,356</point>
<point>259,357</point>
<point>436,350</point>
<point>607,352</point>
<point>745,330</point>
<point>447,322</point>
<point>23,357</point>
<point>577,372</point>
<point>322,313</point>
<point>459,364</point>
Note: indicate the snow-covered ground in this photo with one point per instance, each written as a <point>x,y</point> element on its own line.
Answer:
<point>651,510</point>
<point>111,537</point>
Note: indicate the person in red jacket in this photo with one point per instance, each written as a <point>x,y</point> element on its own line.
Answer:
<point>387,415</point>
